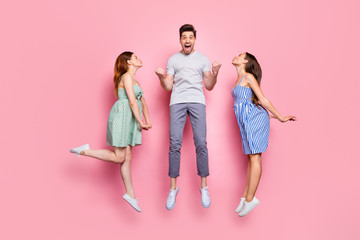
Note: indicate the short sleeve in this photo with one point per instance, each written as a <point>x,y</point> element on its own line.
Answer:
<point>170,67</point>
<point>206,66</point>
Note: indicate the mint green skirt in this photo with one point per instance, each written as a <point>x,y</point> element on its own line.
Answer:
<point>122,128</point>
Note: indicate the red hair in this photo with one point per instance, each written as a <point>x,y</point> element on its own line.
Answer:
<point>121,67</point>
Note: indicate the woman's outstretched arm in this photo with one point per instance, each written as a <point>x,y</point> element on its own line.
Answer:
<point>253,84</point>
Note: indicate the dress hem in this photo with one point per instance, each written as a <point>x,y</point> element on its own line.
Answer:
<point>133,145</point>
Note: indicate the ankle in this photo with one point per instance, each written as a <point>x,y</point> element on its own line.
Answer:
<point>131,194</point>
<point>249,198</point>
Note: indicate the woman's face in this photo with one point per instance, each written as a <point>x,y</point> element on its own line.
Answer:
<point>239,60</point>
<point>135,61</point>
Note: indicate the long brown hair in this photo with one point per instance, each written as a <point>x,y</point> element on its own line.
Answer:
<point>253,67</point>
<point>121,67</point>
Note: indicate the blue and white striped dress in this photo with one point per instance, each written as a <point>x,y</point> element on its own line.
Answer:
<point>253,122</point>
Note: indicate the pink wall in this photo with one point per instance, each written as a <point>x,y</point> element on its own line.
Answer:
<point>56,92</point>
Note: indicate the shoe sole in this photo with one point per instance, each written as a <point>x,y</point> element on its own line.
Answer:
<point>205,206</point>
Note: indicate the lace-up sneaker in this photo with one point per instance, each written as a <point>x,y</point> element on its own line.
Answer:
<point>133,202</point>
<point>241,205</point>
<point>78,150</point>
<point>171,200</point>
<point>248,206</point>
<point>205,197</point>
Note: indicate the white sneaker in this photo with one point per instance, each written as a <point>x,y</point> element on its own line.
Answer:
<point>205,197</point>
<point>133,202</point>
<point>248,206</point>
<point>171,200</point>
<point>241,205</point>
<point>78,150</point>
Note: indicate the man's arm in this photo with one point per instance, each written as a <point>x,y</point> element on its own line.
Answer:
<point>210,78</point>
<point>165,81</point>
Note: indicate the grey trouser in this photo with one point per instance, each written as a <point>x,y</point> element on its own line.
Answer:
<point>197,114</point>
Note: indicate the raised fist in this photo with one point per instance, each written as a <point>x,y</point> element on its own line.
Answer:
<point>160,72</point>
<point>215,67</point>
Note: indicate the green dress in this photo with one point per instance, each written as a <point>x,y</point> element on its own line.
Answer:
<point>122,127</point>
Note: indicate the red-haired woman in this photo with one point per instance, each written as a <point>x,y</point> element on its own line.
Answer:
<point>249,106</point>
<point>124,123</point>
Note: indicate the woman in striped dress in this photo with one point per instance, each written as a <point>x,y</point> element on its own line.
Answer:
<point>254,123</point>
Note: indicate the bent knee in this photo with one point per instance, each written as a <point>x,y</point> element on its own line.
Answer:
<point>120,158</point>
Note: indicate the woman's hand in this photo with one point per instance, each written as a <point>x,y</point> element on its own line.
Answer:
<point>288,118</point>
<point>143,126</point>
<point>146,126</point>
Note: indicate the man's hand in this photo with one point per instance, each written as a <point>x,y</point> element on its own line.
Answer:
<point>160,72</point>
<point>215,67</point>
<point>165,81</point>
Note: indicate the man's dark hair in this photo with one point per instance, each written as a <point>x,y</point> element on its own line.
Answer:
<point>187,28</point>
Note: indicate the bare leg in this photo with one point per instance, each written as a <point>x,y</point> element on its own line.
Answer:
<point>117,156</point>
<point>203,182</point>
<point>243,197</point>
<point>255,174</point>
<point>173,183</point>
<point>247,178</point>
<point>125,170</point>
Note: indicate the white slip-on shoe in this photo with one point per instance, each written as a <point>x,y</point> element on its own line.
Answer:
<point>241,205</point>
<point>205,197</point>
<point>171,200</point>
<point>78,150</point>
<point>133,202</point>
<point>248,206</point>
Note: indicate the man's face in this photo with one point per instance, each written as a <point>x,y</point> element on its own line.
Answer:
<point>187,41</point>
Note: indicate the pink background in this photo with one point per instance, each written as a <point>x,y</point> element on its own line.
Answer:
<point>56,92</point>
